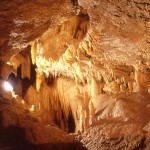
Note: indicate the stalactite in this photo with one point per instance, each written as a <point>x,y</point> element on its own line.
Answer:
<point>59,113</point>
<point>33,51</point>
<point>130,86</point>
<point>30,96</point>
<point>62,125</point>
<point>37,101</point>
<point>122,88</point>
<point>39,80</point>
<point>45,91</point>
<point>58,101</point>
<point>94,87</point>
<point>135,87</point>
<point>62,91</point>
<point>26,67</point>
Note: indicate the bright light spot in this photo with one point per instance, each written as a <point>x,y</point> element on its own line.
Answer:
<point>32,108</point>
<point>22,101</point>
<point>7,86</point>
<point>8,63</point>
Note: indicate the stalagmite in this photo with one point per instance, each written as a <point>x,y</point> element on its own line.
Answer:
<point>82,119</point>
<point>86,103</point>
<point>92,112</point>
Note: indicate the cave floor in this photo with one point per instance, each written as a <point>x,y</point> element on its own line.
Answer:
<point>20,130</point>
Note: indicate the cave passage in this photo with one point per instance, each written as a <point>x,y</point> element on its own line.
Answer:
<point>71,123</point>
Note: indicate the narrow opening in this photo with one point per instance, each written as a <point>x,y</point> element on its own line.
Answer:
<point>12,79</point>
<point>71,123</point>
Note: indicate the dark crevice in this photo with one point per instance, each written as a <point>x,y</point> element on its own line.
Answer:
<point>49,80</point>
<point>71,123</point>
<point>141,145</point>
<point>12,79</point>
<point>25,83</point>
<point>13,138</point>
<point>74,2</point>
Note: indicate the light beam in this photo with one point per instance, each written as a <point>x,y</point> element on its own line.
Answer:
<point>7,86</point>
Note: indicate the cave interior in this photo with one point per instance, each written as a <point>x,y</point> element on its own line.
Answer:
<point>75,74</point>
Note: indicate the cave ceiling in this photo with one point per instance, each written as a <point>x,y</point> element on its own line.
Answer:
<point>77,39</point>
<point>24,21</point>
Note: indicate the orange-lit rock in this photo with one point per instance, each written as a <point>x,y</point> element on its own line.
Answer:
<point>80,66</point>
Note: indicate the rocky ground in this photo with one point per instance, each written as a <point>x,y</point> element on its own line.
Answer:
<point>120,124</point>
<point>20,129</point>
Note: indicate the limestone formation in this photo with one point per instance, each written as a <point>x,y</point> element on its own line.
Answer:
<point>76,66</point>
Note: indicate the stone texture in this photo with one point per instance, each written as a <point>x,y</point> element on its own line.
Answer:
<point>120,123</point>
<point>24,21</point>
<point>20,128</point>
<point>80,65</point>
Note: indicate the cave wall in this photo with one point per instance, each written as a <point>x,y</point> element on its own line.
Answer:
<point>77,51</point>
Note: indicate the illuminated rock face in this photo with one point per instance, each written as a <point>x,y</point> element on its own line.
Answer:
<point>81,64</point>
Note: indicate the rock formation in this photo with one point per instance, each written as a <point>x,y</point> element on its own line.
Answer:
<point>81,66</point>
